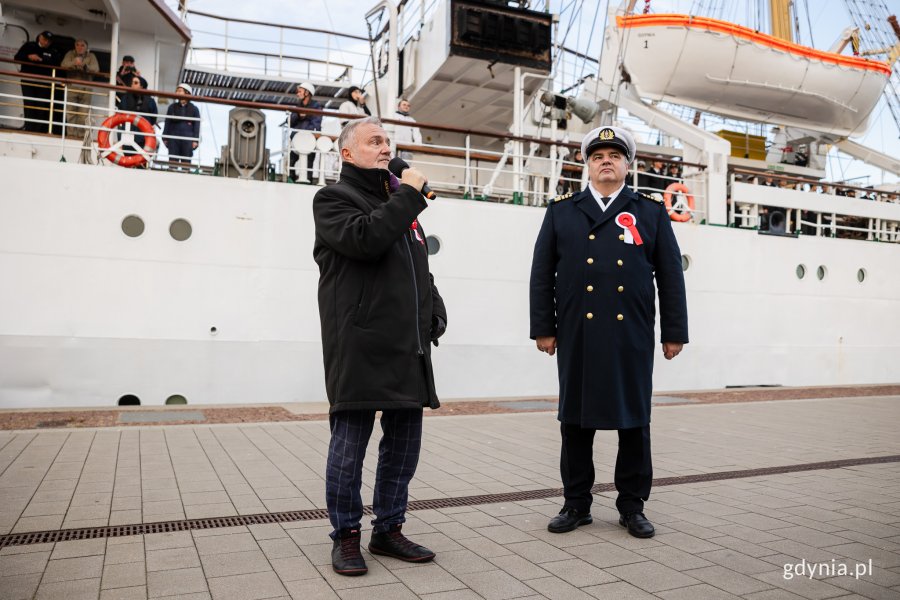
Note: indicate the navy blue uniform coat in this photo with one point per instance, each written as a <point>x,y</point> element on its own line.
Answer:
<point>606,364</point>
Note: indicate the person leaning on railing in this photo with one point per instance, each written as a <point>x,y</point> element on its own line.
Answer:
<point>305,93</point>
<point>181,133</point>
<point>79,63</point>
<point>142,104</point>
<point>39,58</point>
<point>356,105</point>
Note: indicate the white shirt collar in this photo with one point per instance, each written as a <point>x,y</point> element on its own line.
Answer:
<point>599,197</point>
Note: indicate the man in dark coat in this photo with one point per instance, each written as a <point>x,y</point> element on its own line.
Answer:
<point>653,180</point>
<point>379,311</point>
<point>38,57</point>
<point>592,300</point>
<point>181,132</point>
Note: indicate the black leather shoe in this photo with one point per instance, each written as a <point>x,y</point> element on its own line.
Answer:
<point>567,520</point>
<point>346,559</point>
<point>637,525</point>
<point>396,545</point>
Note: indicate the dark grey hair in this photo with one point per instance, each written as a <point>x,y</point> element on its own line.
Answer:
<point>348,133</point>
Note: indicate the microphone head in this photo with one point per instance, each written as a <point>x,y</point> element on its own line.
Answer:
<point>397,166</point>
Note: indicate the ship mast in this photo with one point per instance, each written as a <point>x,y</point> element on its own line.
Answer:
<point>780,14</point>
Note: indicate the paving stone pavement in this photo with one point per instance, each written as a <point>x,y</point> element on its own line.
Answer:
<point>718,539</point>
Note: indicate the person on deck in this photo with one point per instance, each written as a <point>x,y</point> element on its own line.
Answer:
<point>183,121</point>
<point>142,104</point>
<point>355,105</point>
<point>80,63</point>
<point>38,58</point>
<point>406,134</point>
<point>308,122</point>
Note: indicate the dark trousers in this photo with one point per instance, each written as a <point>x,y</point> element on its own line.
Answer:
<point>180,150</point>
<point>398,455</point>
<point>36,106</point>
<point>634,468</point>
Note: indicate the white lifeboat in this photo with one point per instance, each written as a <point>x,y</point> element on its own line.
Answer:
<point>724,68</point>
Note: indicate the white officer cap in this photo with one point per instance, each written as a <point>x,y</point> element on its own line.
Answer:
<point>186,88</point>
<point>308,87</point>
<point>608,136</point>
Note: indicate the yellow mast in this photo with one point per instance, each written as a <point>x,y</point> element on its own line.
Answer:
<point>780,11</point>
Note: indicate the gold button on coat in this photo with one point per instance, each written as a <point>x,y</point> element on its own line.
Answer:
<point>622,237</point>
<point>592,236</point>
<point>590,315</point>
<point>590,288</point>
<point>620,288</point>
<point>619,317</point>
<point>619,262</point>
<point>590,261</point>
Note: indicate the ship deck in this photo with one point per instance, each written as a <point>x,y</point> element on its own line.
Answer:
<point>227,503</point>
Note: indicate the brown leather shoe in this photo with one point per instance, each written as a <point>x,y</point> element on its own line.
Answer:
<point>346,558</point>
<point>637,525</point>
<point>396,545</point>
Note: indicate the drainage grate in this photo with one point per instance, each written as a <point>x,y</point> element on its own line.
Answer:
<point>88,533</point>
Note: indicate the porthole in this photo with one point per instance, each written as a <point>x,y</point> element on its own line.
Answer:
<point>180,230</point>
<point>129,400</point>
<point>861,275</point>
<point>685,262</point>
<point>821,272</point>
<point>132,226</point>
<point>433,243</point>
<point>176,399</point>
<point>801,271</point>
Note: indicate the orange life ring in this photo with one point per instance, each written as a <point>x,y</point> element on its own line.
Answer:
<point>142,124</point>
<point>676,188</point>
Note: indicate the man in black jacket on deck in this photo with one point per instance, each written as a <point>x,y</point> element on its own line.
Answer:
<point>379,311</point>
<point>38,57</point>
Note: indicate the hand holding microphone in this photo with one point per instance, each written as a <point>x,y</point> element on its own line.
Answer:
<point>411,176</point>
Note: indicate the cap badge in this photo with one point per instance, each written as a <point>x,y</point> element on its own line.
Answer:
<point>607,134</point>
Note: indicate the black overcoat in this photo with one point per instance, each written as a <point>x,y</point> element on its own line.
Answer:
<point>377,298</point>
<point>595,292</point>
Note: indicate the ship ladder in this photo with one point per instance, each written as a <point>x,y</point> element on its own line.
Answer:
<point>110,152</point>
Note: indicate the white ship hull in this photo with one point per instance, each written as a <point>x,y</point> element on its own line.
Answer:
<point>90,315</point>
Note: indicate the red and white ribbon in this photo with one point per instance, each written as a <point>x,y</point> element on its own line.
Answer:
<point>628,223</point>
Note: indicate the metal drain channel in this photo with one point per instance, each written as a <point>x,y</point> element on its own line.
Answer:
<point>89,533</point>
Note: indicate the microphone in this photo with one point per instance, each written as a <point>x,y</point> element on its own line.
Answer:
<point>398,165</point>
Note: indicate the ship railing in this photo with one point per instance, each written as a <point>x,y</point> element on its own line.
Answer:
<point>473,171</point>
<point>814,211</point>
<point>274,49</point>
<point>469,170</point>
<point>412,18</point>
<point>72,127</point>
<point>483,165</point>
<point>53,111</point>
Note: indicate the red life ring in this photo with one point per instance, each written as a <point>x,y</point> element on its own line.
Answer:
<point>108,152</point>
<point>683,189</point>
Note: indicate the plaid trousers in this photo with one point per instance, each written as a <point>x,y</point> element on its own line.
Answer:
<point>398,455</point>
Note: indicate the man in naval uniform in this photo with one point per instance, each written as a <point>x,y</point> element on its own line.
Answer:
<point>592,301</point>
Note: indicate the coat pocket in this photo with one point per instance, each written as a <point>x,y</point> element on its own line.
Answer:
<point>364,302</point>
